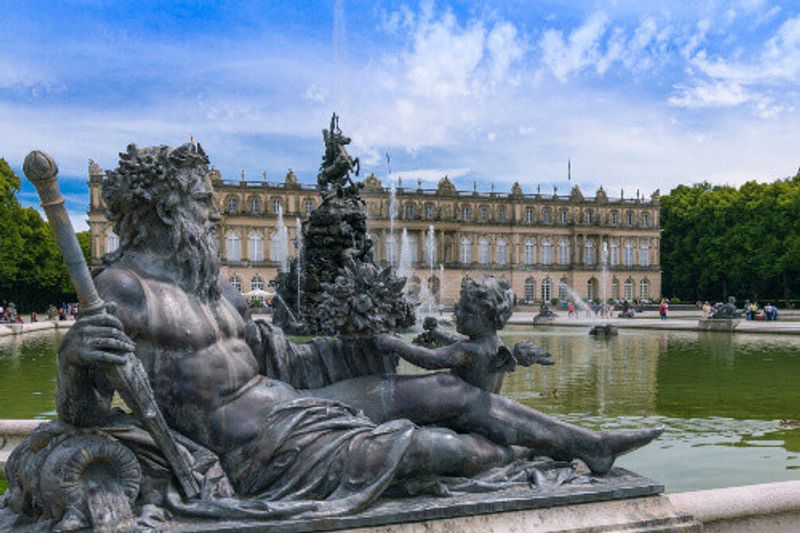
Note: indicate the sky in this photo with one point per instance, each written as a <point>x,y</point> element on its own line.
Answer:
<point>635,95</point>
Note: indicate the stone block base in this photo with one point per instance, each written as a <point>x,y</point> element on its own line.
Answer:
<point>717,324</point>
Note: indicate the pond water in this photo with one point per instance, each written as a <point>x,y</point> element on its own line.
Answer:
<point>722,397</point>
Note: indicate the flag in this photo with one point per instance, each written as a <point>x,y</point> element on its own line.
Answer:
<point>569,169</point>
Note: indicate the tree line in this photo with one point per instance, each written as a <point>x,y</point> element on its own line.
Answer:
<point>32,270</point>
<point>721,241</point>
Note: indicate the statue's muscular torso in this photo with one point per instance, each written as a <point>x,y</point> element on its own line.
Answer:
<point>203,373</point>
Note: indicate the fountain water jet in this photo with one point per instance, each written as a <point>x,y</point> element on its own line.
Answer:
<point>281,242</point>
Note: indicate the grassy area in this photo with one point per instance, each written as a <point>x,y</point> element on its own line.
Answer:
<point>3,485</point>
<point>300,339</point>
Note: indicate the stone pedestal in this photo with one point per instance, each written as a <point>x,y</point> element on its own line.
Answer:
<point>717,324</point>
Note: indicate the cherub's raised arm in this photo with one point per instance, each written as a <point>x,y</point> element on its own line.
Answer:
<point>427,358</point>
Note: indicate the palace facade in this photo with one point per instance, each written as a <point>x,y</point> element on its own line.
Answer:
<point>547,246</point>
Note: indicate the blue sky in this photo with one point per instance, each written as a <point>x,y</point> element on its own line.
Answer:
<point>639,95</point>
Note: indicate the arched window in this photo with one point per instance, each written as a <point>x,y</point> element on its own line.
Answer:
<point>465,212</point>
<point>614,218</point>
<point>410,250</point>
<point>255,246</point>
<point>414,286</point>
<point>529,257</point>
<point>546,215</point>
<point>484,213</point>
<point>644,289</point>
<point>257,283</point>
<point>630,218</point>
<point>644,255</point>
<point>530,290</point>
<point>546,290</point>
<point>589,217</point>
<point>254,205</point>
<point>591,289</point>
<point>588,253</point>
<point>112,242</point>
<point>529,215</point>
<point>309,207</point>
<point>613,257</point>
<point>563,216</point>
<point>391,250</point>
<point>276,248</point>
<point>465,251</point>
<point>233,246</point>
<point>501,251</point>
<point>563,252</point>
<point>236,282</point>
<point>628,254</point>
<point>233,204</point>
<point>646,219</point>
<point>628,289</point>
<point>483,251</point>
<point>276,206</point>
<point>409,210</point>
<point>501,214</point>
<point>547,252</point>
<point>434,285</point>
<point>562,289</point>
<point>615,289</point>
<point>429,211</point>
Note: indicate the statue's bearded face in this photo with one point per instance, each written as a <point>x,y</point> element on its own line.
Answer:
<point>192,230</point>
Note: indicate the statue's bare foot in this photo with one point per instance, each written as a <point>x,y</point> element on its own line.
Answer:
<point>615,443</point>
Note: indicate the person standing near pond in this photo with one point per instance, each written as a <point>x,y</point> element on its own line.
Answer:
<point>662,309</point>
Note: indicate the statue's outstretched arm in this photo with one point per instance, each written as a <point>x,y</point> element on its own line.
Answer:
<point>430,359</point>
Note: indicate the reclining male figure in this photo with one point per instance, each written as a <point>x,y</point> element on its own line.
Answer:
<point>192,333</point>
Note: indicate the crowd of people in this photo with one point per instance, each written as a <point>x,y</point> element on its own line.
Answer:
<point>9,314</point>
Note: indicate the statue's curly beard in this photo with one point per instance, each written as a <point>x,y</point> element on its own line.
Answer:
<point>197,257</point>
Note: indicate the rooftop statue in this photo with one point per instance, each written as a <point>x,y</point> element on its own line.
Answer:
<point>268,429</point>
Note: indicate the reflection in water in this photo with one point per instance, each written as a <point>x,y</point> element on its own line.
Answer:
<point>721,396</point>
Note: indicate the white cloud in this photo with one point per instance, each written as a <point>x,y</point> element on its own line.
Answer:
<point>564,56</point>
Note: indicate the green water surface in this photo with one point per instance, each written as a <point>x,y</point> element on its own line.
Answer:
<point>729,401</point>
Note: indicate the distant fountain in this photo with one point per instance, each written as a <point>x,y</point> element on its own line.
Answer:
<point>299,245</point>
<point>282,242</point>
<point>604,271</point>
<point>427,297</point>
<point>392,208</point>
<point>441,282</point>
<point>405,266</point>
<point>580,303</point>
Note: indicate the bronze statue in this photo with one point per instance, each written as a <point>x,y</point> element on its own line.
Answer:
<point>305,430</point>
<point>334,172</point>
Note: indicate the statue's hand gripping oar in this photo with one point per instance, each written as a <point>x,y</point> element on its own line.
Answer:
<point>130,379</point>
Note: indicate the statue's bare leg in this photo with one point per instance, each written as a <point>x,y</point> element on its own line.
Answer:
<point>446,400</point>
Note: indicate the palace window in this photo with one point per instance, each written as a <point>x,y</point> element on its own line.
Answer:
<point>563,252</point>
<point>615,289</point>
<point>411,251</point>
<point>546,215</point>
<point>112,242</point>
<point>628,289</point>
<point>546,290</point>
<point>257,283</point>
<point>613,257</point>
<point>309,207</point>
<point>646,219</point>
<point>630,218</point>
<point>628,254</point>
<point>465,251</point>
<point>391,250</point>
<point>644,289</point>
<point>563,216</point>
<point>276,206</point>
<point>529,215</point>
<point>409,211</point>
<point>255,246</point>
<point>501,251</point>
<point>236,282</point>
<point>547,252</point>
<point>588,253</point>
<point>254,205</point>
<point>233,246</point>
<point>465,214</point>
<point>429,212</point>
<point>484,213</point>
<point>591,289</point>
<point>589,217</point>
<point>233,205</point>
<point>614,218</point>
<point>501,214</point>
<point>644,255</point>
<point>562,289</point>
<point>483,251</point>
<point>529,257</point>
<point>530,289</point>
